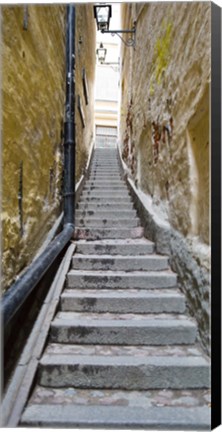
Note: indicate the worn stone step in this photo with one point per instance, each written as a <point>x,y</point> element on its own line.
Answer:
<point>105,175</point>
<point>98,185</point>
<point>121,279</point>
<point>125,263</point>
<point>109,194</point>
<point>122,329</point>
<point>103,198</point>
<point>108,408</point>
<point>106,182</point>
<point>116,417</point>
<point>107,222</point>
<point>105,178</point>
<point>93,233</point>
<point>102,214</point>
<point>100,175</point>
<point>107,187</point>
<point>124,350</point>
<point>116,247</point>
<point>122,301</point>
<point>117,371</point>
<point>105,171</point>
<point>105,158</point>
<point>105,205</point>
<point>105,165</point>
<point>118,181</point>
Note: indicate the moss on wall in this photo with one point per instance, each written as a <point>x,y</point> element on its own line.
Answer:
<point>33,97</point>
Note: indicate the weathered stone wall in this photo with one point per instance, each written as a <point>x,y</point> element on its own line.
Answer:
<point>33,90</point>
<point>85,59</point>
<point>164,126</point>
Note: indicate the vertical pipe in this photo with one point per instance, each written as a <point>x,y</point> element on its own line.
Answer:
<point>20,198</point>
<point>69,126</point>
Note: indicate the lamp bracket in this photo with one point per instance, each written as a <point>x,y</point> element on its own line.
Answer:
<point>130,41</point>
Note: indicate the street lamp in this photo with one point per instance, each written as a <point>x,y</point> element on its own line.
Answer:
<point>101,53</point>
<point>102,14</point>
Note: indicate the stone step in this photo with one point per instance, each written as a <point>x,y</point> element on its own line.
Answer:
<point>118,409</point>
<point>127,247</point>
<point>107,187</point>
<point>105,158</point>
<point>104,173</point>
<point>104,205</point>
<point>109,194</point>
<point>102,176</point>
<point>121,279</point>
<point>116,184</point>
<point>109,163</point>
<point>111,180</point>
<point>112,199</point>
<point>122,301</point>
<point>107,222</point>
<point>122,329</point>
<point>124,350</point>
<point>105,178</point>
<point>123,263</point>
<point>117,371</point>
<point>102,214</point>
<point>104,170</point>
<point>93,233</point>
<point>105,165</point>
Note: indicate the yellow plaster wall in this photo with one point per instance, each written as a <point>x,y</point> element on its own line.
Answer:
<point>85,58</point>
<point>33,98</point>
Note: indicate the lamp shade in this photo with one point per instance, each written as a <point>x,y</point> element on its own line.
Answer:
<point>101,53</point>
<point>102,14</point>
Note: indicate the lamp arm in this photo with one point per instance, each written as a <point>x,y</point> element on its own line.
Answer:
<point>129,42</point>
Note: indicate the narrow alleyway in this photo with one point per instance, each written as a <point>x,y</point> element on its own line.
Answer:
<point>111,221</point>
<point>121,352</point>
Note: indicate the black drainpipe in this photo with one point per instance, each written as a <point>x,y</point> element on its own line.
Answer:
<point>20,290</point>
<point>69,163</point>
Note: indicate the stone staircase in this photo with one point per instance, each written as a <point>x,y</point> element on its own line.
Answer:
<point>122,352</point>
